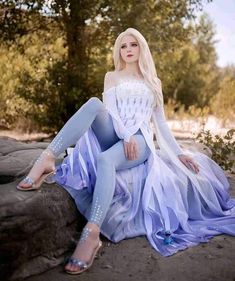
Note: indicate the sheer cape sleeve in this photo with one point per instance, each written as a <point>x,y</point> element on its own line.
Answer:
<point>165,138</point>
<point>170,150</point>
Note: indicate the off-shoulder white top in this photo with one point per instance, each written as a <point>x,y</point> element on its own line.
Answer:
<point>132,106</point>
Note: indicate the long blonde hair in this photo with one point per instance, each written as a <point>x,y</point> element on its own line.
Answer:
<point>145,62</point>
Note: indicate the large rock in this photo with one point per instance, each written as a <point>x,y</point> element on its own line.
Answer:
<point>16,158</point>
<point>37,227</point>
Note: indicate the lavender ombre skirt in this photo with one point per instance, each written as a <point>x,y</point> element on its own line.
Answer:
<point>139,208</point>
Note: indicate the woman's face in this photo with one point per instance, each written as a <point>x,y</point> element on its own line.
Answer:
<point>130,49</point>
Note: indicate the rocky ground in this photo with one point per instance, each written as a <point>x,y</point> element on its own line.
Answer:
<point>36,234</point>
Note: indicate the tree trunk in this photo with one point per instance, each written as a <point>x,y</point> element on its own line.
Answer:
<point>77,60</point>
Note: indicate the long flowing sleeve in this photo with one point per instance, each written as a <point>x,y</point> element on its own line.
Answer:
<point>109,99</point>
<point>164,134</point>
<point>170,148</point>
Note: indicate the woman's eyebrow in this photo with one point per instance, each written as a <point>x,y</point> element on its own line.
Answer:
<point>130,42</point>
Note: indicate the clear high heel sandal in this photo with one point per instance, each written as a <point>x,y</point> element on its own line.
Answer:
<point>34,185</point>
<point>82,264</point>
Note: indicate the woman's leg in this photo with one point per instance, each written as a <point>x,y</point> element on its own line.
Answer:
<point>78,124</point>
<point>104,131</point>
<point>108,162</point>
<point>92,113</point>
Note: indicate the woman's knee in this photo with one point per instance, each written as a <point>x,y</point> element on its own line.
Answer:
<point>95,104</point>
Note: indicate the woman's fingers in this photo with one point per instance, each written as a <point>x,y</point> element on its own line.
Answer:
<point>131,150</point>
<point>131,154</point>
<point>126,149</point>
<point>196,167</point>
<point>189,163</point>
<point>186,163</point>
<point>193,166</point>
<point>135,150</point>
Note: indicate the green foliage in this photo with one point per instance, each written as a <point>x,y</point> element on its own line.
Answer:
<point>223,103</point>
<point>176,110</point>
<point>19,18</point>
<point>190,75</point>
<point>54,54</point>
<point>222,148</point>
<point>29,90</point>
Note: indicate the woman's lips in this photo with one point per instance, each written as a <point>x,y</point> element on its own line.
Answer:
<point>129,55</point>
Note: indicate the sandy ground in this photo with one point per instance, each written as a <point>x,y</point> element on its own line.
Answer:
<point>134,259</point>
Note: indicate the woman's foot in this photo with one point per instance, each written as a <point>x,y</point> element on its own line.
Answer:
<point>85,251</point>
<point>43,166</point>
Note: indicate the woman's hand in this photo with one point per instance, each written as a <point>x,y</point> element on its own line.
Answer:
<point>189,163</point>
<point>131,149</point>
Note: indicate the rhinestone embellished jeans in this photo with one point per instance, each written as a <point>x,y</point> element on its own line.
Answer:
<point>112,158</point>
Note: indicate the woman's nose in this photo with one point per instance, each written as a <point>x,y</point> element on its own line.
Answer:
<point>128,48</point>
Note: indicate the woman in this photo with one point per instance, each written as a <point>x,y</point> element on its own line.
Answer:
<point>121,183</point>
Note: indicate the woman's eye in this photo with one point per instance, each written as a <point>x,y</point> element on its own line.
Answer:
<point>133,45</point>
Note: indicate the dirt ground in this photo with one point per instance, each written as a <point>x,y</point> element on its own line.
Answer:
<point>134,260</point>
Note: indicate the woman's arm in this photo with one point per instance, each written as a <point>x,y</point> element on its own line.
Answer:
<point>161,125</point>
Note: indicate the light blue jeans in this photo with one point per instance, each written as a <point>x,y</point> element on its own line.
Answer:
<point>112,158</point>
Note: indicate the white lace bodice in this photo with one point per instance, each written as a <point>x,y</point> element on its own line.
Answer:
<point>132,104</point>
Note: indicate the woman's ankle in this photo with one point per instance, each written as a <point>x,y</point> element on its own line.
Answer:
<point>46,159</point>
<point>49,153</point>
<point>94,229</point>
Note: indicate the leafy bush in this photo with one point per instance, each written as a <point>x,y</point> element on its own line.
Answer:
<point>222,148</point>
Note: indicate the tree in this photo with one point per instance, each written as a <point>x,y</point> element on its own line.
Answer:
<point>89,29</point>
<point>190,72</point>
<point>223,102</point>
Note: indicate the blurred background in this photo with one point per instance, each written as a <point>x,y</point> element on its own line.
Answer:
<point>54,55</point>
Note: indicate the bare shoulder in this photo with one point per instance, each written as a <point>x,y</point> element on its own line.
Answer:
<point>111,75</point>
<point>110,79</point>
